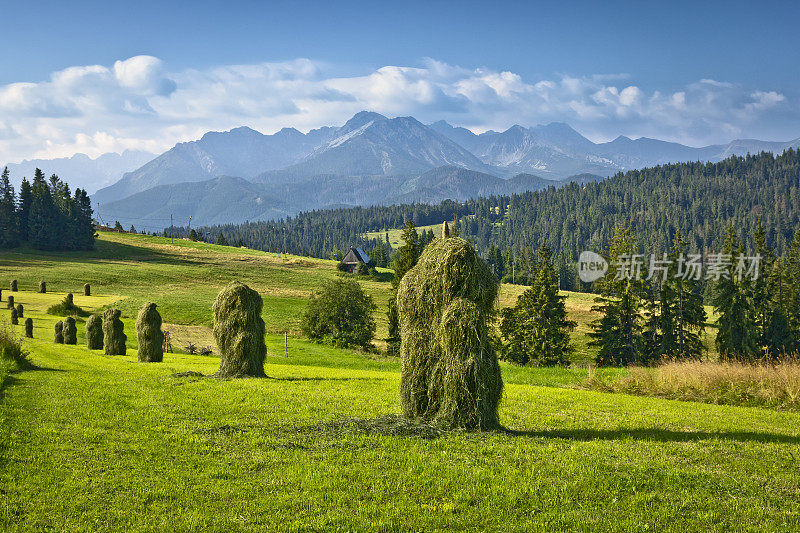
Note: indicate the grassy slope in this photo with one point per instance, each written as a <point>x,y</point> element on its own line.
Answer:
<point>90,442</point>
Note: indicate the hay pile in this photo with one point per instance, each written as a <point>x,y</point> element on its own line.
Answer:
<point>149,334</point>
<point>20,311</point>
<point>239,332</point>
<point>69,301</point>
<point>10,304</point>
<point>13,285</point>
<point>42,287</point>
<point>69,331</point>
<point>1,295</point>
<point>94,333</point>
<point>114,333</point>
<point>59,327</point>
<point>450,374</point>
<point>29,328</point>
<point>14,316</point>
<point>87,290</point>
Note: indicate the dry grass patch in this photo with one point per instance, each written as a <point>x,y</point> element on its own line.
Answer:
<point>775,385</point>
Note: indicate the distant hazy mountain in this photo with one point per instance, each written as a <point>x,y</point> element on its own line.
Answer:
<point>82,171</point>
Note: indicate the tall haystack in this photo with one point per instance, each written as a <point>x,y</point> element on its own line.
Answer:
<point>14,316</point>
<point>87,289</point>
<point>149,334</point>
<point>114,337</point>
<point>94,332</point>
<point>29,328</point>
<point>59,328</point>
<point>450,374</point>
<point>42,287</point>
<point>20,311</point>
<point>70,331</point>
<point>13,285</point>
<point>239,331</point>
<point>10,304</point>
<point>1,295</point>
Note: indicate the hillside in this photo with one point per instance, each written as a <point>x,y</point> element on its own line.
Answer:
<point>137,447</point>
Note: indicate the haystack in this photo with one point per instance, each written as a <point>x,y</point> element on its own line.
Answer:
<point>450,374</point>
<point>20,311</point>
<point>14,316</point>
<point>10,304</point>
<point>13,285</point>
<point>70,331</point>
<point>59,328</point>
<point>42,287</point>
<point>114,337</point>
<point>94,332</point>
<point>87,289</point>
<point>29,328</point>
<point>69,301</point>
<point>239,332</point>
<point>149,334</point>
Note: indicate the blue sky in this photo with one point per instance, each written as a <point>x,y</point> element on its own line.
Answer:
<point>729,67</point>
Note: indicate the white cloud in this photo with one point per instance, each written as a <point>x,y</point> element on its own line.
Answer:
<point>137,103</point>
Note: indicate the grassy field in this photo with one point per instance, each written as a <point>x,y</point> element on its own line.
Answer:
<point>96,443</point>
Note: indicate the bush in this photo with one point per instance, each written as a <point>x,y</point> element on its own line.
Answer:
<point>239,332</point>
<point>69,331</point>
<point>87,290</point>
<point>42,287</point>
<point>20,311</point>
<point>29,328</point>
<point>94,332</point>
<point>14,316</point>
<point>114,337</point>
<point>59,332</point>
<point>11,348</point>
<point>149,334</point>
<point>340,313</point>
<point>66,307</point>
<point>449,370</point>
<point>341,267</point>
<point>362,269</point>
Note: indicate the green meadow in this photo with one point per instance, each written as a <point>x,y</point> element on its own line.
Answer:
<point>90,442</point>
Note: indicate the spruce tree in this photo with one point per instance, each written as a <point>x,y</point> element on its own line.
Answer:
<point>8,207</point>
<point>24,210</point>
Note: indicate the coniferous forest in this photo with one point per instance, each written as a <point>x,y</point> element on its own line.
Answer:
<point>44,215</point>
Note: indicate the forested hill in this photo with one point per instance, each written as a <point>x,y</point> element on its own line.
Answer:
<point>700,199</point>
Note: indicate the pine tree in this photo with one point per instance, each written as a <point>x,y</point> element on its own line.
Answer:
<point>8,208</point>
<point>44,220</point>
<point>537,329</point>
<point>221,240</point>
<point>24,210</point>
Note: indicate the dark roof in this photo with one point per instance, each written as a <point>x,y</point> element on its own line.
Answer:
<point>355,255</point>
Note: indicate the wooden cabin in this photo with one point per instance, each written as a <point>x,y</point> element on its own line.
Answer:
<point>353,258</point>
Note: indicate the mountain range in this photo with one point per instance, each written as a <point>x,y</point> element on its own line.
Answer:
<point>373,159</point>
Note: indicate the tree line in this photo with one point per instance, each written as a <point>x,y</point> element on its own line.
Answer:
<point>45,214</point>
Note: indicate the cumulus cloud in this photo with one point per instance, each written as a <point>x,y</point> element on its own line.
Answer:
<point>137,103</point>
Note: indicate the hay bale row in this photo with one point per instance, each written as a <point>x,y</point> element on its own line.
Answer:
<point>29,328</point>
<point>449,371</point>
<point>114,337</point>
<point>239,332</point>
<point>59,332</point>
<point>149,334</point>
<point>94,332</point>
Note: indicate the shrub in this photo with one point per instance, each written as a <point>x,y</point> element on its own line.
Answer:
<point>10,304</point>
<point>94,332</point>
<point>149,334</point>
<point>87,290</point>
<point>29,328</point>
<point>341,267</point>
<point>42,287</point>
<point>239,332</point>
<point>362,268</point>
<point>20,311</point>
<point>13,285</point>
<point>340,313</point>
<point>14,316</point>
<point>69,331</point>
<point>59,332</point>
<point>114,337</point>
<point>449,370</point>
<point>66,307</point>
<point>11,348</point>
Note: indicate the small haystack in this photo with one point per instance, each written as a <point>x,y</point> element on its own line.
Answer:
<point>13,285</point>
<point>14,316</point>
<point>114,337</point>
<point>69,301</point>
<point>94,332</point>
<point>20,311</point>
<point>29,328</point>
<point>10,304</point>
<point>87,289</point>
<point>42,287</point>
<point>149,334</point>
<point>450,374</point>
<point>59,328</point>
<point>70,331</point>
<point>239,332</point>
